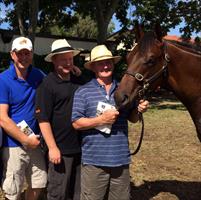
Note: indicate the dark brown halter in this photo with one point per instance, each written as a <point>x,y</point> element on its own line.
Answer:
<point>145,86</point>
<point>147,82</point>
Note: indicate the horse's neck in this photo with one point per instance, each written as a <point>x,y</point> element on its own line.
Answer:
<point>184,77</point>
<point>184,71</point>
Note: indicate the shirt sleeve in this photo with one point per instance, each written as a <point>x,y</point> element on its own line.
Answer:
<point>4,92</point>
<point>44,103</point>
<point>78,110</point>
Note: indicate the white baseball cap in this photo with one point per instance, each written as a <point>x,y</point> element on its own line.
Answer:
<point>20,43</point>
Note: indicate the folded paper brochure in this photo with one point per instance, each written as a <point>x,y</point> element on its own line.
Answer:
<point>102,107</point>
<point>24,127</point>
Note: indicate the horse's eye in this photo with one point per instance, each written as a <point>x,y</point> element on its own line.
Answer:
<point>150,62</point>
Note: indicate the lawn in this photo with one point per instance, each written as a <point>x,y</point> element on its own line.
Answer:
<point>168,166</point>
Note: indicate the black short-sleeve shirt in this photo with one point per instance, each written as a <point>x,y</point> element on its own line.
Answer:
<point>54,100</point>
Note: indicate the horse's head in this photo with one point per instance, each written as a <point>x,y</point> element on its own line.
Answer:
<point>146,63</point>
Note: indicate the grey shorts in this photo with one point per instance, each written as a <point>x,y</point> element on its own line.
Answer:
<point>100,182</point>
<point>20,163</point>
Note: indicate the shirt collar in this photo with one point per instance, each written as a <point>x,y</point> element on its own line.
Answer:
<point>13,71</point>
<point>58,79</point>
<point>114,83</point>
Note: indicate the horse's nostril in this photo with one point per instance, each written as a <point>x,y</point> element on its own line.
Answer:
<point>121,100</point>
<point>124,99</point>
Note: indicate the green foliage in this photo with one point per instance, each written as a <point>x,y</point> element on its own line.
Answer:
<point>169,13</point>
<point>55,13</point>
<point>190,12</point>
<point>101,11</point>
<point>84,28</point>
<point>121,12</point>
<point>94,19</point>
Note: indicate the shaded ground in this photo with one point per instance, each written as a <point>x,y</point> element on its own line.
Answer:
<point>168,166</point>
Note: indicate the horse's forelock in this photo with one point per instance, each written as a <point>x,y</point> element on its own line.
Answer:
<point>147,41</point>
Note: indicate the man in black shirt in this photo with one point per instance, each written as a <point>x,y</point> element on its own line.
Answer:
<point>53,111</point>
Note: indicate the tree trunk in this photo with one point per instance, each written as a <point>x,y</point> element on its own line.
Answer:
<point>104,13</point>
<point>33,15</point>
<point>19,6</point>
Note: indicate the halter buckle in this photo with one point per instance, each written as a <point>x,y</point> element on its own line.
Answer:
<point>139,77</point>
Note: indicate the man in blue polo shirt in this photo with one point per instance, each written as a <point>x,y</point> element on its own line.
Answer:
<point>22,156</point>
<point>104,131</point>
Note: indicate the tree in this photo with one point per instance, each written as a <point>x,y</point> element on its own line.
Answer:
<point>169,13</point>
<point>190,12</point>
<point>84,28</point>
<point>26,27</point>
<point>101,11</point>
<point>60,16</point>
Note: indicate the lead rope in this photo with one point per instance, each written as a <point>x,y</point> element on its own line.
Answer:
<point>141,119</point>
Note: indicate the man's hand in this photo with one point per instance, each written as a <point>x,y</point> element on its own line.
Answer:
<point>109,116</point>
<point>143,105</point>
<point>76,71</point>
<point>54,155</point>
<point>32,141</point>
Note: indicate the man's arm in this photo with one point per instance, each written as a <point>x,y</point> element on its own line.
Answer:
<point>54,152</point>
<point>11,129</point>
<point>108,117</point>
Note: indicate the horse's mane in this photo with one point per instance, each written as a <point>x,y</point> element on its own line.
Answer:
<point>149,40</point>
<point>186,46</point>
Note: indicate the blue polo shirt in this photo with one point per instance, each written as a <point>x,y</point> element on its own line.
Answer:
<point>20,96</point>
<point>98,148</point>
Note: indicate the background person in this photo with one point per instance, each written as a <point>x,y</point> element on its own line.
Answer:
<point>105,152</point>
<point>22,156</point>
<point>53,111</point>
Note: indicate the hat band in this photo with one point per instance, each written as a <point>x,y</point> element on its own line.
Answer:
<point>63,49</point>
<point>102,57</point>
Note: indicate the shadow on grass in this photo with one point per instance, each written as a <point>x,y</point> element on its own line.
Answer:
<point>182,190</point>
<point>150,189</point>
<point>165,100</point>
<point>173,106</point>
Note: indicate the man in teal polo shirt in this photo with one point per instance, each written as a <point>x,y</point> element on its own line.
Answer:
<point>22,156</point>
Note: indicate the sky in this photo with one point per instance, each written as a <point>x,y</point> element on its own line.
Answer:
<point>174,31</point>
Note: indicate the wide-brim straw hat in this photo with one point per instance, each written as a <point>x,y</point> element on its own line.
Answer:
<point>99,53</point>
<point>60,46</point>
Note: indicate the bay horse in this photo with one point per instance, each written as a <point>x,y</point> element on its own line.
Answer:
<point>155,62</point>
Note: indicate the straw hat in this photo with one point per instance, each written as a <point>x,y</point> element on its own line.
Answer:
<point>101,52</point>
<point>58,47</point>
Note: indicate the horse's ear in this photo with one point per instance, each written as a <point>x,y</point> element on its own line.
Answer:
<point>158,32</point>
<point>138,31</point>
